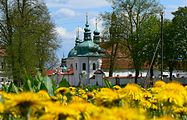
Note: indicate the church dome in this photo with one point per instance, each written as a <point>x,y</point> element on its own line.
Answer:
<point>73,52</point>
<point>96,32</point>
<point>88,48</point>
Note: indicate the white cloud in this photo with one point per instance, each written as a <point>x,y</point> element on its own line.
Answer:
<point>77,4</point>
<point>99,24</point>
<point>62,32</point>
<point>68,39</point>
<point>65,12</point>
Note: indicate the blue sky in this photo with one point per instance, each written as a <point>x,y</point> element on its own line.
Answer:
<point>68,15</point>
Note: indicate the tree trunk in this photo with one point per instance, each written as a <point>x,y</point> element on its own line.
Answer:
<point>113,58</point>
<point>151,75</point>
<point>111,65</point>
<point>170,72</point>
<point>136,75</point>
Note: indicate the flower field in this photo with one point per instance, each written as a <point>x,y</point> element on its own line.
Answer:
<point>132,102</point>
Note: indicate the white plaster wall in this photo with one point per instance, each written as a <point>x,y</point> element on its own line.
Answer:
<point>99,79</point>
<point>89,69</point>
<point>92,82</point>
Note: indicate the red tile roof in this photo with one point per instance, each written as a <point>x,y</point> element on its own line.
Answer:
<point>51,72</point>
<point>70,71</point>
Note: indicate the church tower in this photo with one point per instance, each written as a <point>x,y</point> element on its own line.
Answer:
<point>83,58</point>
<point>87,33</point>
<point>96,37</point>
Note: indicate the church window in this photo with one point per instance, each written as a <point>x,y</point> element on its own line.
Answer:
<point>84,66</point>
<point>71,66</point>
<point>94,66</point>
<point>2,65</point>
<point>76,66</point>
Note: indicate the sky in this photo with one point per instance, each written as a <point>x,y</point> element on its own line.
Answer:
<point>69,15</point>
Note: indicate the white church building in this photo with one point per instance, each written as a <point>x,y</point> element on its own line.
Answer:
<point>84,60</point>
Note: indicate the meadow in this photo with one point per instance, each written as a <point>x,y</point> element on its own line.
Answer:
<point>163,101</point>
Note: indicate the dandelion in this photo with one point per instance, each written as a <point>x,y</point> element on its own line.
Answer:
<point>61,111</point>
<point>23,103</point>
<point>159,83</point>
<point>116,87</point>
<point>44,95</point>
<point>62,90</point>
<point>131,91</point>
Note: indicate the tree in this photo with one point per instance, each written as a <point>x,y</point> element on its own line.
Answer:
<point>179,22</point>
<point>114,31</point>
<point>27,34</point>
<point>135,13</point>
<point>150,34</point>
<point>175,39</point>
<point>170,48</point>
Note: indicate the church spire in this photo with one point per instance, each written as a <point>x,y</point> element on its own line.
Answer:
<point>77,41</point>
<point>96,24</point>
<point>87,33</point>
<point>87,20</point>
<point>96,34</point>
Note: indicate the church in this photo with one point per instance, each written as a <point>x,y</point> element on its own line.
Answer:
<point>84,60</point>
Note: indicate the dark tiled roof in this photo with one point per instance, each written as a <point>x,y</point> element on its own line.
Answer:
<point>99,72</point>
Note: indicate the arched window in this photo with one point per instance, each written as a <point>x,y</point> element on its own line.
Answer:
<point>76,66</point>
<point>2,65</point>
<point>71,66</point>
<point>84,66</point>
<point>94,66</point>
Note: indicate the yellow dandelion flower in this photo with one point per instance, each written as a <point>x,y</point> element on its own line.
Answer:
<point>159,83</point>
<point>85,109</point>
<point>76,99</point>
<point>44,95</point>
<point>90,95</point>
<point>61,111</point>
<point>170,94</point>
<point>119,114</point>
<point>165,118</point>
<point>116,87</point>
<point>81,91</point>
<point>106,96</point>
<point>24,98</point>
<point>180,110</point>
<point>62,90</point>
<point>145,104</point>
<point>22,103</point>
<point>147,95</point>
<point>132,91</point>
<point>1,108</point>
<point>47,117</point>
<point>72,90</point>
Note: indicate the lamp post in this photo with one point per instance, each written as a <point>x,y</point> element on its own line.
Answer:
<point>162,43</point>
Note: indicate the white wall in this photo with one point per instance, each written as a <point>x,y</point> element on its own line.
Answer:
<point>77,71</point>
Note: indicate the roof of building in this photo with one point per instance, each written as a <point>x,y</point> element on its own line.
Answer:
<point>99,72</point>
<point>51,72</point>
<point>120,63</point>
<point>73,52</point>
<point>87,47</point>
<point>70,71</point>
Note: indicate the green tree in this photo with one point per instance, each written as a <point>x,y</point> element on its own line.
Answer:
<point>27,34</point>
<point>179,22</point>
<point>175,40</point>
<point>150,34</point>
<point>135,13</point>
<point>113,33</point>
